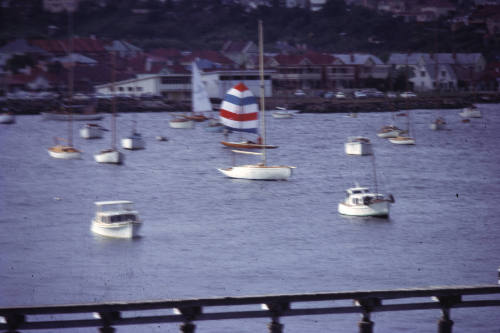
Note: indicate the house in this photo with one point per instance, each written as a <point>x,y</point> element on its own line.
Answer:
<point>239,52</point>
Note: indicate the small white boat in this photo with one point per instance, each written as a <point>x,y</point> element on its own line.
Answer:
<point>181,122</point>
<point>360,201</point>
<point>110,156</point>
<point>64,152</point>
<point>358,145</point>
<point>471,112</point>
<point>258,172</point>
<point>389,131</point>
<point>133,142</point>
<point>116,219</point>
<point>402,140</point>
<point>282,113</point>
<point>92,131</point>
<point>7,118</point>
<point>438,124</point>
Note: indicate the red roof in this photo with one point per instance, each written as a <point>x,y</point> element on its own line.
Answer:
<point>80,45</point>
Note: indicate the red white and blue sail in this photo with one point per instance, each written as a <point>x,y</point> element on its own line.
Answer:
<point>239,110</point>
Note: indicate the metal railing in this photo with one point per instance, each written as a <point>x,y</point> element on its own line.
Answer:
<point>107,316</point>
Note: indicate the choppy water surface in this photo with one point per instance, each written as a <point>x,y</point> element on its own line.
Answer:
<point>205,235</point>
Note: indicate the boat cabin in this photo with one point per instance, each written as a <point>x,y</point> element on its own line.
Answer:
<point>116,212</point>
<point>360,196</point>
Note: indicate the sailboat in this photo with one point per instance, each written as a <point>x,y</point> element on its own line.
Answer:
<point>111,155</point>
<point>241,113</point>
<point>66,150</point>
<point>199,102</point>
<point>402,139</point>
<point>134,141</point>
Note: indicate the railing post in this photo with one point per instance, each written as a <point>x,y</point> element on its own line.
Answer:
<point>276,310</point>
<point>367,304</point>
<point>189,314</point>
<point>14,321</point>
<point>445,324</point>
<point>107,320</point>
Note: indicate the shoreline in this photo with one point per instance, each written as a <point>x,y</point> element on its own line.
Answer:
<point>302,104</point>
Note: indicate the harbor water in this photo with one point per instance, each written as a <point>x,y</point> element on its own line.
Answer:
<point>205,235</point>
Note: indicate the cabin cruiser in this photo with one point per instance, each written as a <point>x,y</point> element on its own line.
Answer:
<point>116,219</point>
<point>358,145</point>
<point>389,131</point>
<point>360,201</point>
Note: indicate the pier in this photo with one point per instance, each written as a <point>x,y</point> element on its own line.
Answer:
<point>186,312</point>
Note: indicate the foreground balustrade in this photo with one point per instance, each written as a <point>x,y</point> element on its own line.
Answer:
<point>107,316</point>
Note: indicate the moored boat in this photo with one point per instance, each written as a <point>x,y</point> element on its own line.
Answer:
<point>117,219</point>
<point>358,145</point>
<point>7,118</point>
<point>471,112</point>
<point>360,201</point>
<point>389,131</point>
<point>181,122</point>
<point>438,124</point>
<point>92,131</point>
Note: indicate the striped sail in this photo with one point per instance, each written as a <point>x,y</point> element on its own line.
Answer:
<point>239,110</point>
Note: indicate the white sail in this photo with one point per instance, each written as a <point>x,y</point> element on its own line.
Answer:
<point>199,95</point>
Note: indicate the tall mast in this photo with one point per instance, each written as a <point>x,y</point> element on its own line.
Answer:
<point>70,77</point>
<point>113,102</point>
<point>262,92</point>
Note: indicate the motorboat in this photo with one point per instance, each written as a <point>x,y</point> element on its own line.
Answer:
<point>471,112</point>
<point>282,113</point>
<point>358,145</point>
<point>360,201</point>
<point>116,219</point>
<point>92,131</point>
<point>389,131</point>
<point>438,124</point>
<point>133,142</point>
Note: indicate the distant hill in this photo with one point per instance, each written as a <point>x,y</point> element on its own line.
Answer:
<point>207,24</point>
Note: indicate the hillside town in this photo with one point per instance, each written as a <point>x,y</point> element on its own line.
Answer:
<point>100,67</point>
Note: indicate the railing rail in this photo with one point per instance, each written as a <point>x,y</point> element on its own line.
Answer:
<point>106,316</point>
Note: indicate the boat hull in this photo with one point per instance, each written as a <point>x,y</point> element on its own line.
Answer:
<point>402,140</point>
<point>258,172</point>
<point>181,123</point>
<point>282,115</point>
<point>65,155</point>
<point>247,145</point>
<point>133,143</point>
<point>116,230</point>
<point>380,209</point>
<point>389,134</point>
<point>91,132</point>
<point>7,119</point>
<point>109,156</point>
<point>358,148</point>
<point>470,113</point>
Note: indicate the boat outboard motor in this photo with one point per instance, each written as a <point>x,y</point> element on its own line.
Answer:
<point>391,198</point>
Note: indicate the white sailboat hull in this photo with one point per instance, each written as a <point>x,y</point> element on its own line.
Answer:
<point>358,148</point>
<point>390,134</point>
<point>402,140</point>
<point>91,132</point>
<point>258,172</point>
<point>116,230</point>
<point>181,124</point>
<point>374,209</point>
<point>65,155</point>
<point>109,156</point>
<point>133,143</point>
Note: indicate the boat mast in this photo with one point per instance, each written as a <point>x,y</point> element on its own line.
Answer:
<point>70,78</point>
<point>262,91</point>
<point>113,101</point>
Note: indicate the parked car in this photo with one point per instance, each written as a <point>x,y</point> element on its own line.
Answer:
<point>329,94</point>
<point>407,94</point>
<point>359,94</point>
<point>299,92</point>
<point>340,95</point>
